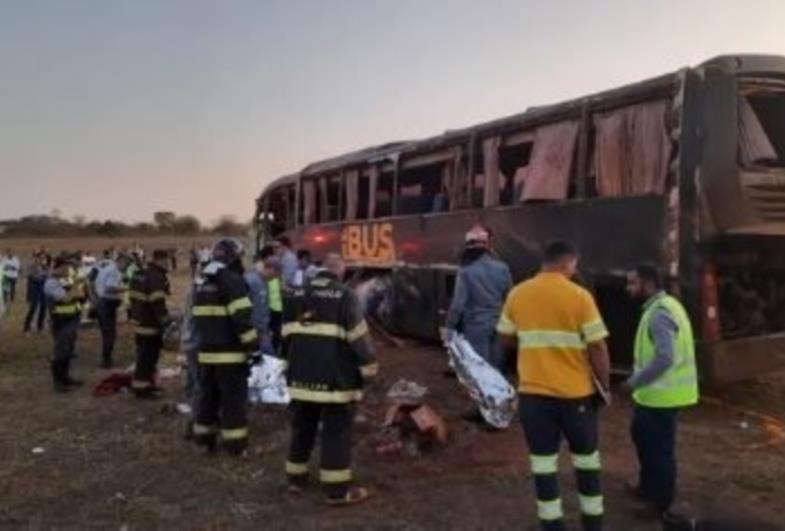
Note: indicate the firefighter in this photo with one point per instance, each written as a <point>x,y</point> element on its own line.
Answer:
<point>327,347</point>
<point>481,285</point>
<point>222,314</point>
<point>148,291</point>
<point>64,296</point>
<point>665,381</point>
<point>560,338</point>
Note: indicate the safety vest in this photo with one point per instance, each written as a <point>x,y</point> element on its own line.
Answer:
<point>65,311</point>
<point>678,386</point>
<point>274,297</point>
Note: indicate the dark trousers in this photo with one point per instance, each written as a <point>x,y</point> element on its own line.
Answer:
<point>545,421</point>
<point>148,350</point>
<point>36,305</point>
<point>336,420</point>
<point>107,322</point>
<point>276,323</point>
<point>64,333</point>
<point>222,406</point>
<point>10,289</point>
<point>653,431</point>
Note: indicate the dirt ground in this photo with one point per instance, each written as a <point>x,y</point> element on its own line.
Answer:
<point>117,463</point>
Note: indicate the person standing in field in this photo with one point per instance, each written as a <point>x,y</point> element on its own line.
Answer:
<point>664,382</point>
<point>109,291</point>
<point>64,297</point>
<point>36,301</point>
<point>148,292</point>
<point>329,356</point>
<point>222,313</point>
<point>271,271</point>
<point>288,261</point>
<point>560,337</point>
<point>481,285</point>
<point>257,292</point>
<point>11,268</point>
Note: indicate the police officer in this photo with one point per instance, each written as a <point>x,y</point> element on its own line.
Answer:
<point>327,347</point>
<point>560,338</point>
<point>148,291</point>
<point>109,289</point>
<point>664,382</point>
<point>226,335</point>
<point>64,298</point>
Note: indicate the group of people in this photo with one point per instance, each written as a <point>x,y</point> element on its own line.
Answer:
<point>287,307</point>
<point>563,371</point>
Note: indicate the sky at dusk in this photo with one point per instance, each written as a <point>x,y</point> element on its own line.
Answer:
<point>119,108</point>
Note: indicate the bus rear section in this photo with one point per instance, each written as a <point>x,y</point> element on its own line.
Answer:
<point>743,272</point>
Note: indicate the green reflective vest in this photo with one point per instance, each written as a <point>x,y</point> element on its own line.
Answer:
<point>678,386</point>
<point>274,296</point>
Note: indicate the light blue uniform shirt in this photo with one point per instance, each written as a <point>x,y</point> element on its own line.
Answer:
<point>108,278</point>
<point>289,268</point>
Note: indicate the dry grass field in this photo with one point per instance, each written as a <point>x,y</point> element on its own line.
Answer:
<point>117,463</point>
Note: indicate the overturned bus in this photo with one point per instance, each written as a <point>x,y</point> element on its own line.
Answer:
<point>686,170</point>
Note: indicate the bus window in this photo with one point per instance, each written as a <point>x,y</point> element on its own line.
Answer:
<point>384,195</point>
<point>762,129</point>
<point>421,189</point>
<point>310,209</point>
<point>329,199</point>
<point>632,150</point>
<point>514,164</point>
<point>357,187</point>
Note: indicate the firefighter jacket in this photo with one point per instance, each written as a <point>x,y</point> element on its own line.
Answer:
<point>222,316</point>
<point>148,291</point>
<point>326,343</point>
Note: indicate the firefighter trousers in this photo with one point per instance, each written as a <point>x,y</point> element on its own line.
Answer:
<point>107,322</point>
<point>222,406</point>
<point>545,421</point>
<point>336,421</point>
<point>64,334</point>
<point>148,350</point>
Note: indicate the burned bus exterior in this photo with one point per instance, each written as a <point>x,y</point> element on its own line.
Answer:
<point>686,170</point>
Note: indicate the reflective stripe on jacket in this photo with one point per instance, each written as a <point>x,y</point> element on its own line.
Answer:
<point>222,316</point>
<point>326,342</point>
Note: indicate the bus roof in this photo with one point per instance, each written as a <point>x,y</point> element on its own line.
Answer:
<point>533,116</point>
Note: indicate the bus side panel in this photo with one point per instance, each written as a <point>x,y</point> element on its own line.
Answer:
<point>612,235</point>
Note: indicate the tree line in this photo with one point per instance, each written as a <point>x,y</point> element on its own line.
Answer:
<point>163,223</point>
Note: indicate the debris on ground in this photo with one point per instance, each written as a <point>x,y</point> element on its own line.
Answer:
<point>493,394</point>
<point>410,425</point>
<point>38,450</point>
<point>168,373</point>
<point>407,392</point>
<point>267,382</point>
<point>112,384</point>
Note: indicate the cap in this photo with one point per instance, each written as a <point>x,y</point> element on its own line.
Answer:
<point>477,236</point>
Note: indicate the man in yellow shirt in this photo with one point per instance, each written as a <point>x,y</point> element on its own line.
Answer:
<point>560,338</point>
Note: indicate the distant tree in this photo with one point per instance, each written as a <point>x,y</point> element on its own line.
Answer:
<point>187,225</point>
<point>229,226</point>
<point>164,220</point>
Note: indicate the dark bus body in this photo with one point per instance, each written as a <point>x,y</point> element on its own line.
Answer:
<point>686,170</point>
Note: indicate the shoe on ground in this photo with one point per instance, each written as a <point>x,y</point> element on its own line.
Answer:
<point>73,382</point>
<point>353,496</point>
<point>673,521</point>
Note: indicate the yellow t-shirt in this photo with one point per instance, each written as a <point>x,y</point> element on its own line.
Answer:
<point>553,319</point>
